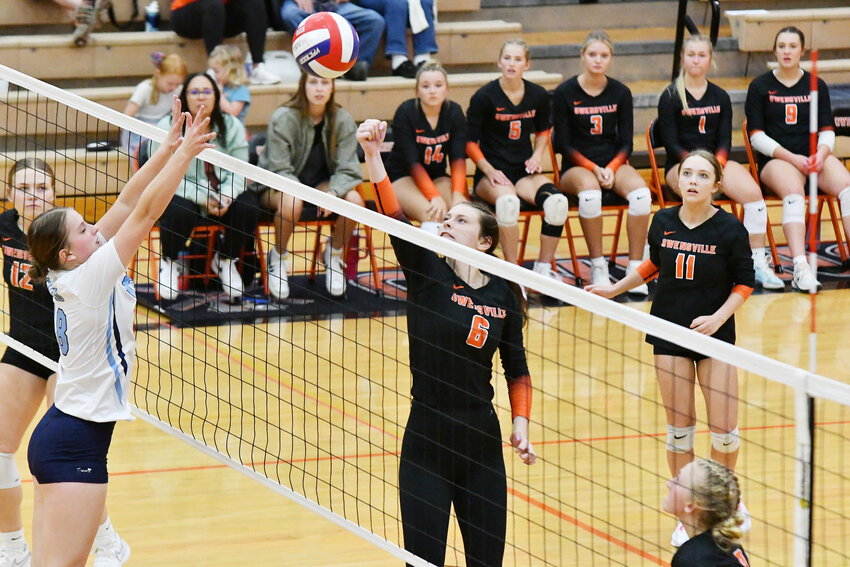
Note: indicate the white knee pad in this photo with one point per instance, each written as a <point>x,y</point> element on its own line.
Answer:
<point>726,442</point>
<point>507,210</point>
<point>794,209</point>
<point>640,202</point>
<point>9,477</point>
<point>590,204</point>
<point>844,200</point>
<point>755,217</point>
<point>680,439</point>
<point>555,209</point>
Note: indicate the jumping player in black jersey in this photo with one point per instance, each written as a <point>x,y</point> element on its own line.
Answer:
<point>457,317</point>
<point>695,113</point>
<point>705,496</point>
<point>593,132</point>
<point>701,255</point>
<point>24,383</point>
<point>778,108</point>
<point>429,133</point>
<point>501,117</point>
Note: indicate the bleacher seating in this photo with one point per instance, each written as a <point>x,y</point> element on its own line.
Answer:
<point>825,28</point>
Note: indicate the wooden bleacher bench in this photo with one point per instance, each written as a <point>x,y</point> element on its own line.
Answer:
<point>127,54</point>
<point>359,98</point>
<point>29,13</point>
<point>830,70</point>
<point>824,28</point>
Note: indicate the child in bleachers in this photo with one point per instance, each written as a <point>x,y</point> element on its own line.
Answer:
<point>227,64</point>
<point>152,99</point>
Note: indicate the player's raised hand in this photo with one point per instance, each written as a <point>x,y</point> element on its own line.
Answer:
<point>370,135</point>
<point>197,135</point>
<point>174,136</point>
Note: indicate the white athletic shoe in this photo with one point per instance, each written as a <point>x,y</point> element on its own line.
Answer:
<point>745,514</point>
<point>169,279</point>
<point>599,274</point>
<point>114,555</point>
<point>804,280</point>
<point>231,281</point>
<point>766,277</point>
<point>679,537</point>
<point>545,269</point>
<point>260,75</point>
<point>278,274</point>
<point>15,557</point>
<point>642,289</point>
<point>334,271</point>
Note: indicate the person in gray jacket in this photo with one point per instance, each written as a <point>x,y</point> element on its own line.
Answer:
<point>310,139</point>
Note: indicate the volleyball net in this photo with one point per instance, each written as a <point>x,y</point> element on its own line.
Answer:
<point>315,407</point>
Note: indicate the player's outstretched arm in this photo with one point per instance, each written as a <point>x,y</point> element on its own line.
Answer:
<point>156,197</point>
<point>370,135</point>
<point>112,220</point>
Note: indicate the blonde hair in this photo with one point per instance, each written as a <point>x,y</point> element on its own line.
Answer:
<point>171,64</point>
<point>516,41</point>
<point>231,58</point>
<point>716,496</point>
<point>680,80</point>
<point>431,66</point>
<point>600,36</point>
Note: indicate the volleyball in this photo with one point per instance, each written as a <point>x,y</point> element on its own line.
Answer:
<point>325,45</point>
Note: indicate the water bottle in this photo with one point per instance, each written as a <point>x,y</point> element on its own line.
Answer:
<point>353,257</point>
<point>152,16</point>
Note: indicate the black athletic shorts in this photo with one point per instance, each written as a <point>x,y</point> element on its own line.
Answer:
<point>25,363</point>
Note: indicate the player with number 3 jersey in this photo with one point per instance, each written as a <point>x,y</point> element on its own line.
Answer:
<point>593,132</point>
<point>778,109</point>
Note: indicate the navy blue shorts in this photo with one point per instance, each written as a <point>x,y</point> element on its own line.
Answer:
<point>25,363</point>
<point>64,448</point>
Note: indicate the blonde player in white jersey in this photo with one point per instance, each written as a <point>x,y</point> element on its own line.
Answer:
<point>94,300</point>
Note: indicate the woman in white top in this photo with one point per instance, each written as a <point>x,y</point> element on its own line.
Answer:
<point>94,299</point>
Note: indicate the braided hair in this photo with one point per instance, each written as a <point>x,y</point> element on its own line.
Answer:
<point>716,494</point>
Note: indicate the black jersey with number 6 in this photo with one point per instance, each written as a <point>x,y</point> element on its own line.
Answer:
<point>503,129</point>
<point>783,112</point>
<point>454,331</point>
<point>698,267</point>
<point>30,306</point>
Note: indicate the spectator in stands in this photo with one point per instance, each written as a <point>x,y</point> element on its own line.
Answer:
<point>368,24</point>
<point>502,116</point>
<point>429,133</point>
<point>777,110</point>
<point>695,113</point>
<point>593,132</point>
<point>214,20</point>
<point>398,14</point>
<point>228,68</point>
<point>152,99</point>
<point>311,139</point>
<point>206,189</point>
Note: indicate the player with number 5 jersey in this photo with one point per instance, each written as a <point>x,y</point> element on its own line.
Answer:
<point>778,110</point>
<point>457,317</point>
<point>84,266</point>
<point>701,255</point>
<point>501,118</point>
<point>593,119</point>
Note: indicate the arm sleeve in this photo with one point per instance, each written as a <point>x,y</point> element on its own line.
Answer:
<point>404,138</point>
<point>724,130</point>
<point>423,181</point>
<point>347,173</point>
<point>475,118</point>
<point>520,393</point>
<point>412,258</point>
<point>561,137</point>
<point>741,258</point>
<point>668,114</point>
<point>654,241</point>
<point>511,349</point>
<point>754,110</point>
<point>542,116</point>
<point>825,121</point>
<point>625,131</point>
<point>457,151</point>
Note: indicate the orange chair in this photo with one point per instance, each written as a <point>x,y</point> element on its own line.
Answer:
<point>828,200</point>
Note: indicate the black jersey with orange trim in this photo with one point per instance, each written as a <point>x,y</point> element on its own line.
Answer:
<point>698,267</point>
<point>454,331</point>
<point>706,123</point>
<point>598,128</point>
<point>415,141</point>
<point>783,112</point>
<point>30,305</point>
<point>702,551</point>
<point>503,129</point>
